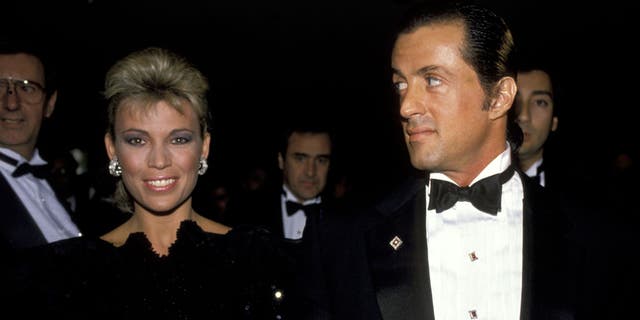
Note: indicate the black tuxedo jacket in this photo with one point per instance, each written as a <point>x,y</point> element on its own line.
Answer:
<point>17,229</point>
<point>358,275</point>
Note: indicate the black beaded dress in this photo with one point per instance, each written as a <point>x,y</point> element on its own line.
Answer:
<point>204,276</point>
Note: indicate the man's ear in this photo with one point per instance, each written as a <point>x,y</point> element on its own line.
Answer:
<point>51,104</point>
<point>280,161</point>
<point>505,94</point>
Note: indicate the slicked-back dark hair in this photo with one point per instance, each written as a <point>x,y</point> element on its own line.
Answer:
<point>311,125</point>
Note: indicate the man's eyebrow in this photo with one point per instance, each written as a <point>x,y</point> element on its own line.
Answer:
<point>426,69</point>
<point>422,71</point>
<point>543,92</point>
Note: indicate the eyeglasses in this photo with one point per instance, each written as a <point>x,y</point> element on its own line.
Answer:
<point>26,90</point>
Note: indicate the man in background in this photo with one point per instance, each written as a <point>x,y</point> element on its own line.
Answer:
<point>32,213</point>
<point>304,158</point>
<point>536,114</point>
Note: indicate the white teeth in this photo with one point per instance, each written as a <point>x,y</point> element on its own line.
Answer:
<point>161,183</point>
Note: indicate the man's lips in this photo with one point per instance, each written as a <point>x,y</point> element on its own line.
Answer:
<point>415,134</point>
<point>11,120</point>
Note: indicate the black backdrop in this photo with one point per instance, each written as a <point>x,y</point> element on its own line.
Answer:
<point>267,60</point>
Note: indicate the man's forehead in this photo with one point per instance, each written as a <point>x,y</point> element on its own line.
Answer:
<point>21,66</point>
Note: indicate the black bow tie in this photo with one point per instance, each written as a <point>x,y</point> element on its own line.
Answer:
<point>485,194</point>
<point>38,171</point>
<point>293,207</point>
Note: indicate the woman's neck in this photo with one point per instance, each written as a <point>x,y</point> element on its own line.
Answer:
<point>161,231</point>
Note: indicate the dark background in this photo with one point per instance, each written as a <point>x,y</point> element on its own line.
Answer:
<point>269,60</point>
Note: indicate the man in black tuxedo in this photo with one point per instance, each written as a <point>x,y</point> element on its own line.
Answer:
<point>304,158</point>
<point>295,204</point>
<point>537,116</point>
<point>32,214</point>
<point>596,225</point>
<point>469,236</point>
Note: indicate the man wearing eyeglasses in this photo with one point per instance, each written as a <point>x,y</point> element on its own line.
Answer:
<point>31,215</point>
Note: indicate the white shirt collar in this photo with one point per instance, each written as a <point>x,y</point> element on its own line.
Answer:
<point>35,160</point>
<point>288,196</point>
<point>496,166</point>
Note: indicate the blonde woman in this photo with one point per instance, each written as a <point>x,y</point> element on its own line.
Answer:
<point>167,260</point>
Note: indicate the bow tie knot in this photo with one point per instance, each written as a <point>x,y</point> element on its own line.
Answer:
<point>293,207</point>
<point>38,171</point>
<point>485,195</point>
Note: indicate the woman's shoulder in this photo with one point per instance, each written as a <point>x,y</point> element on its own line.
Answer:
<point>211,226</point>
<point>240,240</point>
<point>252,237</point>
<point>67,248</point>
<point>258,248</point>
<point>116,237</point>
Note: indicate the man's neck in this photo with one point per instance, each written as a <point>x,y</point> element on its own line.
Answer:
<point>526,163</point>
<point>26,152</point>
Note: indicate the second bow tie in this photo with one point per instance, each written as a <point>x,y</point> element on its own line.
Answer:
<point>38,171</point>
<point>293,207</point>
<point>485,194</point>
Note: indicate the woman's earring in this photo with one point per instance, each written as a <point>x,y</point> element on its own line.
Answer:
<point>202,169</point>
<point>114,167</point>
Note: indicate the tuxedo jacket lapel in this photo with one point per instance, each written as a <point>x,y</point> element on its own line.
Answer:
<point>536,219</point>
<point>527,252</point>
<point>275,211</point>
<point>397,249</point>
<point>18,228</point>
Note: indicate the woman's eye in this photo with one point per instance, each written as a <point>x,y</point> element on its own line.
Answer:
<point>135,141</point>
<point>181,140</point>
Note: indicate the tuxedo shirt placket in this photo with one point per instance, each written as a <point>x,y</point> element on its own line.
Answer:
<point>472,276</point>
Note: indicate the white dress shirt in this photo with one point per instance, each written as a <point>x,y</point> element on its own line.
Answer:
<point>293,225</point>
<point>475,259</point>
<point>39,199</point>
<point>533,171</point>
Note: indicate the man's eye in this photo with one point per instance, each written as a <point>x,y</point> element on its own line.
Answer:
<point>399,86</point>
<point>541,103</point>
<point>432,81</point>
<point>27,88</point>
